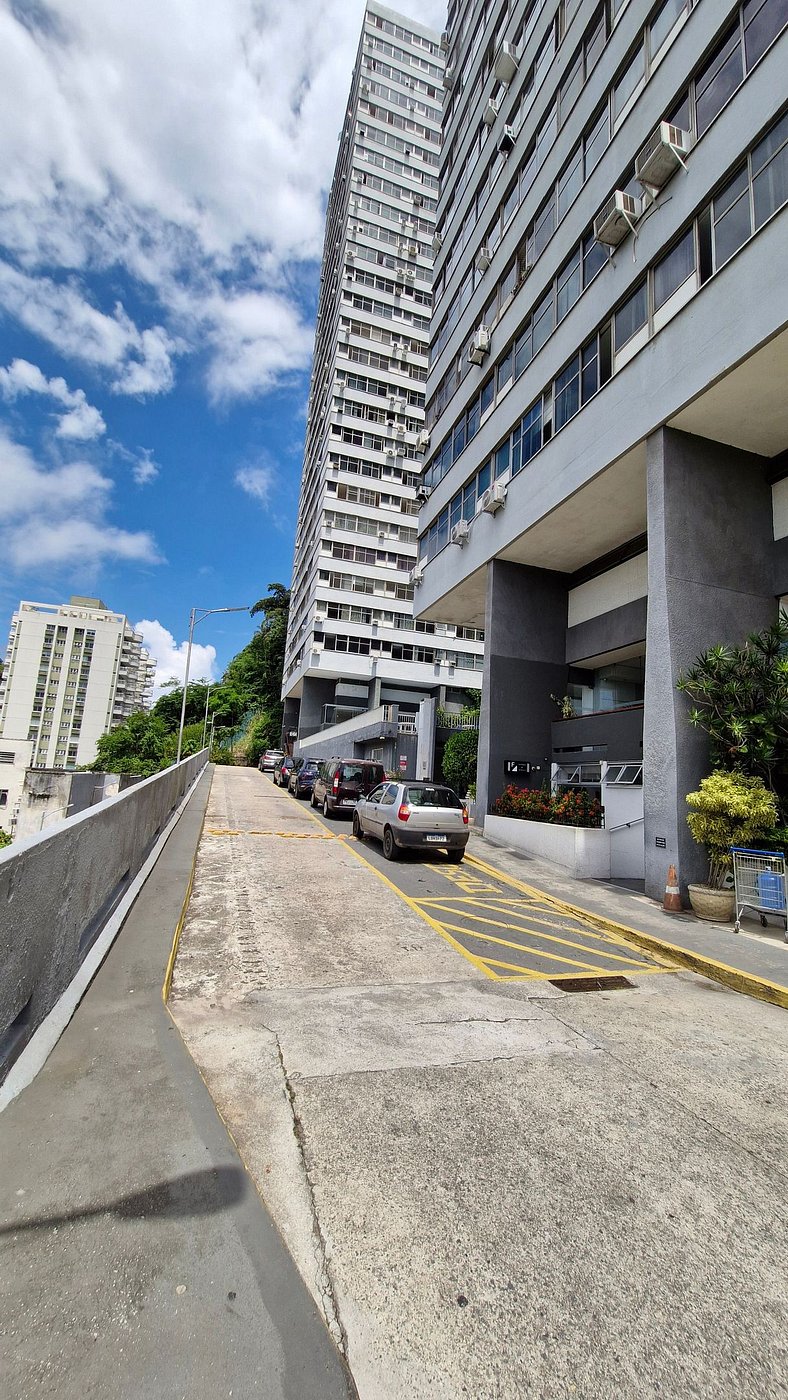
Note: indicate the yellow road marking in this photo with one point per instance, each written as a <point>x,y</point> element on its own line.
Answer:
<point>254,831</point>
<point>549,937</point>
<point>531,952</point>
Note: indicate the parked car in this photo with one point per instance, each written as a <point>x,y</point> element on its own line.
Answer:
<point>269,760</point>
<point>340,782</point>
<point>413,815</point>
<point>283,770</point>
<point>302,778</point>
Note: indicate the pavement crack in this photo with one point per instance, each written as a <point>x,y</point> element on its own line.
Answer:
<point>324,1282</point>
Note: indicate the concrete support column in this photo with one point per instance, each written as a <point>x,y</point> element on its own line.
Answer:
<point>524,663</point>
<point>709,568</point>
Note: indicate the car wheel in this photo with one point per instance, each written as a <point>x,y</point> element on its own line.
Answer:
<point>358,830</point>
<point>456,855</point>
<point>326,809</point>
<point>312,802</point>
<point>390,847</point>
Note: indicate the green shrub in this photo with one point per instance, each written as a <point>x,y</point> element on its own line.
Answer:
<point>730,809</point>
<point>5,839</point>
<point>459,760</point>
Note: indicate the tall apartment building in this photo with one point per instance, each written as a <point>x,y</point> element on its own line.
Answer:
<point>606,397</point>
<point>72,672</point>
<point>353,643</point>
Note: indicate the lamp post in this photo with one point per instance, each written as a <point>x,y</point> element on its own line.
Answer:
<point>205,721</point>
<point>196,615</point>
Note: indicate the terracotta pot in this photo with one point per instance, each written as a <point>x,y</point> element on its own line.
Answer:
<point>719,906</point>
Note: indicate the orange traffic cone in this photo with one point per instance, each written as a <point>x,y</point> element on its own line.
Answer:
<point>672,901</point>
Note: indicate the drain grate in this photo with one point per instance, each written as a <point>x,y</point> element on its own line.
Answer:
<point>592,984</point>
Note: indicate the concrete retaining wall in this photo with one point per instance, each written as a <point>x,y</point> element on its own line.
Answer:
<point>583,851</point>
<point>58,889</point>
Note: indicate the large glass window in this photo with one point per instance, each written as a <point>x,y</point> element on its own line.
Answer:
<point>531,432</point>
<point>505,370</point>
<point>570,182</point>
<point>719,80</point>
<point>663,22</point>
<point>544,226</point>
<point>589,369</point>
<point>569,286</point>
<point>542,323</point>
<point>631,316</point>
<point>731,218</point>
<point>523,351</point>
<point>770,172</point>
<point>674,269</point>
<point>628,82</point>
<point>502,458</point>
<point>596,140</point>
<point>595,255</point>
<point>567,393</point>
<point>763,20</point>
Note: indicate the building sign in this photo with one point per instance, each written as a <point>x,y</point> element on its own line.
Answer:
<point>403,762</point>
<point>516,767</point>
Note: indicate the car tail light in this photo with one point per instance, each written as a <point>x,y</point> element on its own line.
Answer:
<point>465,816</point>
<point>336,782</point>
<point>404,812</point>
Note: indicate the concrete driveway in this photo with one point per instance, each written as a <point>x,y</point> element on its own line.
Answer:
<point>492,1189</point>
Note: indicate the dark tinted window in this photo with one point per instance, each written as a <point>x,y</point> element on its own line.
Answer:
<point>432,797</point>
<point>352,773</point>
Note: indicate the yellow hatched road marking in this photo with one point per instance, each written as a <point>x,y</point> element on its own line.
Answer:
<point>513,906</point>
<point>531,952</point>
<point>549,937</point>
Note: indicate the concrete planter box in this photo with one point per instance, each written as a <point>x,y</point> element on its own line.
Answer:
<point>582,851</point>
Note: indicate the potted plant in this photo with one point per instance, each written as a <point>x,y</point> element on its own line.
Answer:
<point>729,809</point>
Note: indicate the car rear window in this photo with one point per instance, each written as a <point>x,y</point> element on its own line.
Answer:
<point>432,797</point>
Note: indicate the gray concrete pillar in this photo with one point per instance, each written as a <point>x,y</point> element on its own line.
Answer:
<point>710,581</point>
<point>524,663</point>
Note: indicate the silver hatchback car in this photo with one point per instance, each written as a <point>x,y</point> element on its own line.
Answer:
<point>407,815</point>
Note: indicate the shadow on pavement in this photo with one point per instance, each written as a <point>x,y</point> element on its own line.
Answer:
<point>203,1192</point>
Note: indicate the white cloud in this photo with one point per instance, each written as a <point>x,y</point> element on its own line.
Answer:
<point>143,468</point>
<point>81,423</point>
<point>188,144</point>
<point>257,482</point>
<point>170,656</point>
<point>58,516</point>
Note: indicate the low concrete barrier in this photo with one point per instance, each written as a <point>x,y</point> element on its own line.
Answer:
<point>58,889</point>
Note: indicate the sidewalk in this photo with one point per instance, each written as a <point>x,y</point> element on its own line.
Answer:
<point>715,950</point>
<point>138,1261</point>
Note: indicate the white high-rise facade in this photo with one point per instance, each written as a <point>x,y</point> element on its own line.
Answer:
<point>353,643</point>
<point>72,672</point>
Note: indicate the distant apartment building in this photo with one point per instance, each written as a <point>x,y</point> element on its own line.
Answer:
<point>353,644</point>
<point>607,477</point>
<point>72,672</point>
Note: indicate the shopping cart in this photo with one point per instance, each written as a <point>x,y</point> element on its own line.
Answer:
<point>759,877</point>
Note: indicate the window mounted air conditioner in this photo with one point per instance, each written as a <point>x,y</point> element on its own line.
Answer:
<point>506,62</point>
<point>493,498</point>
<point>448,78</point>
<point>506,140</point>
<point>616,219</point>
<point>459,532</point>
<point>479,346</point>
<point>483,258</point>
<point>437,242</point>
<point>661,156</point>
<point>409,228</point>
<point>424,438</point>
<point>444,44</point>
<point>423,494</point>
<point>416,575</point>
<point>490,113</point>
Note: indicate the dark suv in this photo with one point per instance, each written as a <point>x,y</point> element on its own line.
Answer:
<point>340,782</point>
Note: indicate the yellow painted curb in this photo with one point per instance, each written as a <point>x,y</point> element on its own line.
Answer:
<point>659,948</point>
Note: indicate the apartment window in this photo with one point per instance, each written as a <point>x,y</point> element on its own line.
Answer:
<point>589,378</point>
<point>631,316</point>
<point>567,393</point>
<point>674,269</point>
<point>505,370</point>
<point>595,256</point>
<point>763,20</point>
<point>569,286</point>
<point>663,23</point>
<point>502,459</point>
<point>633,75</point>
<point>570,182</point>
<point>523,351</point>
<point>570,87</point>
<point>770,173</point>
<point>719,80</point>
<point>543,323</point>
<point>731,218</point>
<point>531,432</point>
<point>488,394</point>
<point>3,797</point>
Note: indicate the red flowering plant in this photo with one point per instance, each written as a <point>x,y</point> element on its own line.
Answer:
<point>567,807</point>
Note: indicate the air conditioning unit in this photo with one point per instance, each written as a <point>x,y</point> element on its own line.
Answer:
<point>399,446</point>
<point>506,140</point>
<point>459,532</point>
<point>400,430</point>
<point>506,62</point>
<point>616,219</point>
<point>448,78</point>
<point>390,452</point>
<point>365,89</point>
<point>661,156</point>
<point>424,438</point>
<point>317,646</point>
<point>400,274</point>
<point>479,346</point>
<point>418,199</point>
<point>437,242</point>
<point>350,255</point>
<point>416,575</point>
<point>409,228</point>
<point>382,535</point>
<point>490,113</point>
<point>410,275</point>
<point>493,498</point>
<point>483,258</point>
<point>445,41</point>
<point>423,494</point>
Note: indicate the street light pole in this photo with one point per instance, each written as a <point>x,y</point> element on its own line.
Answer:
<point>195,616</point>
<point>205,721</point>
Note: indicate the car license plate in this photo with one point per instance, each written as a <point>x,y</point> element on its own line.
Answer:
<point>348,802</point>
<point>437,838</point>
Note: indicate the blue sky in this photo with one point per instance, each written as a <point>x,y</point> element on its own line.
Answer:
<point>165,171</point>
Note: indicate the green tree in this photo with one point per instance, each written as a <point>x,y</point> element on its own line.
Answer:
<point>139,745</point>
<point>739,696</point>
<point>5,839</point>
<point>168,705</point>
<point>459,759</point>
<point>730,809</point>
